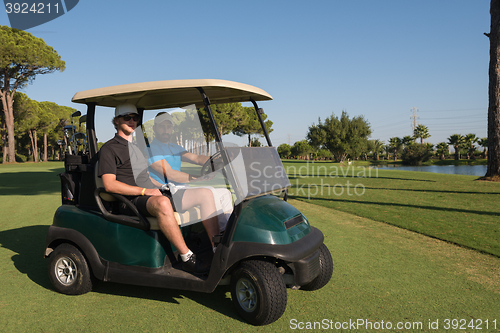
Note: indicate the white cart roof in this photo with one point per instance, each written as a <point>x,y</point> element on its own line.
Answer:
<point>173,93</point>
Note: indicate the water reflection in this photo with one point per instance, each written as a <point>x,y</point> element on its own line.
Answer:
<point>471,170</point>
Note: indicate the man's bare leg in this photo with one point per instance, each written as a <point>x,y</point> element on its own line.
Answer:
<point>203,197</point>
<point>160,207</point>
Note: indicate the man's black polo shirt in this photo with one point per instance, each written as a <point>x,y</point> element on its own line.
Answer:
<point>114,158</point>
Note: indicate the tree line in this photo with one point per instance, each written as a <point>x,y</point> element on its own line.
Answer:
<point>341,138</point>
<point>231,118</point>
<point>22,58</point>
<point>336,138</point>
<point>38,129</point>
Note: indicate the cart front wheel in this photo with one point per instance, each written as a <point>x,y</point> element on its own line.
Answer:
<point>258,292</point>
<point>68,271</point>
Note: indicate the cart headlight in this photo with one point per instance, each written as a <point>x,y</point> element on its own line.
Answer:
<point>295,220</point>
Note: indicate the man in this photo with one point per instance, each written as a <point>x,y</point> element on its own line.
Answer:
<point>116,171</point>
<point>165,167</point>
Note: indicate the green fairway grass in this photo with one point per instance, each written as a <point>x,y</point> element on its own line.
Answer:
<point>381,273</point>
<point>454,208</point>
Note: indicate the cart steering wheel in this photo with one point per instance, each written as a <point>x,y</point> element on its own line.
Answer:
<point>212,164</point>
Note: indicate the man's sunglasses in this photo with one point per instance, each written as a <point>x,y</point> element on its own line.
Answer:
<point>128,117</point>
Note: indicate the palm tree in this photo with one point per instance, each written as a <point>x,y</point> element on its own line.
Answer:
<point>422,132</point>
<point>484,143</point>
<point>387,150</point>
<point>395,144</point>
<point>469,141</point>
<point>442,149</point>
<point>376,147</point>
<point>457,141</point>
<point>407,140</point>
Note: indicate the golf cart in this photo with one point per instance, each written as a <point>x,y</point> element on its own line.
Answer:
<point>267,246</point>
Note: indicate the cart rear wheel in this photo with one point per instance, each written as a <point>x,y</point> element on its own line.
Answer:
<point>69,271</point>
<point>325,270</point>
<point>258,292</point>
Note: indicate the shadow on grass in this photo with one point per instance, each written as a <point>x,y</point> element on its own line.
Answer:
<point>301,176</point>
<point>427,190</point>
<point>30,183</point>
<point>304,187</point>
<point>410,179</point>
<point>28,243</point>
<point>448,209</point>
<point>217,301</point>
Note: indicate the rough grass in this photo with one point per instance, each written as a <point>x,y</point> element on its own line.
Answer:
<point>381,273</point>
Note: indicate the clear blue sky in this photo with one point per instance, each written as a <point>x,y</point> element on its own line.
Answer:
<point>378,59</point>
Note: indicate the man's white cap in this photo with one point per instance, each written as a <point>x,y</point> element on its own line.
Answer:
<point>125,109</point>
<point>162,116</point>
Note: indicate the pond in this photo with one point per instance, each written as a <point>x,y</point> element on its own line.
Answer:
<point>471,170</point>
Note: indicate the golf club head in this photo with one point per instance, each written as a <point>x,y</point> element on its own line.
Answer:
<point>80,136</point>
<point>76,114</point>
<point>69,128</point>
<point>83,119</point>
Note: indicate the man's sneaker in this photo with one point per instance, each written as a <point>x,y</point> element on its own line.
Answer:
<point>194,265</point>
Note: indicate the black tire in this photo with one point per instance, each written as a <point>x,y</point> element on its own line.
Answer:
<point>325,270</point>
<point>258,292</point>
<point>69,271</point>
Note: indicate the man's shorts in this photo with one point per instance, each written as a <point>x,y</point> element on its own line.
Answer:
<point>141,203</point>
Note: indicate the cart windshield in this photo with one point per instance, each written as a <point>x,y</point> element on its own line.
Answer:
<point>177,148</point>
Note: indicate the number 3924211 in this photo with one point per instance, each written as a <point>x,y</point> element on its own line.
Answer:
<point>35,8</point>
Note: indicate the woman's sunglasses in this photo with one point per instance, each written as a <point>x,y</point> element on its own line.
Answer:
<point>128,117</point>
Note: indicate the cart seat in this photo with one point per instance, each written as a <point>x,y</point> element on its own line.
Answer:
<point>185,218</point>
